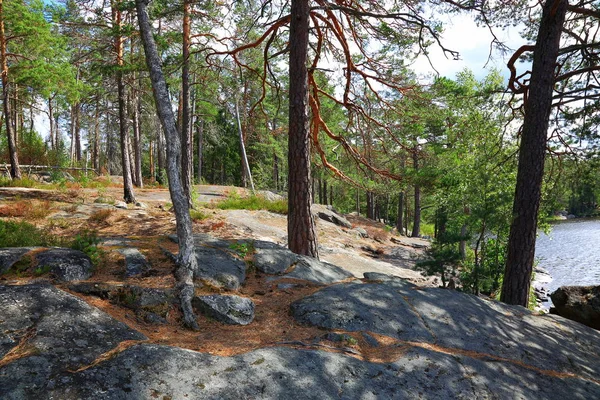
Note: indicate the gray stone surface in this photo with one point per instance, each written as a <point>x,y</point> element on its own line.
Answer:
<point>121,204</point>
<point>455,320</point>
<point>66,265</point>
<point>361,232</point>
<point>56,332</point>
<point>232,310</point>
<point>219,268</point>
<point>204,239</point>
<point>578,303</point>
<point>329,215</point>
<point>151,371</point>
<point>10,255</point>
<point>274,260</point>
<point>319,272</point>
<point>135,262</point>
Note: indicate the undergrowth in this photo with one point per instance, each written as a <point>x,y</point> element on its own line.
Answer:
<point>253,202</point>
<point>23,234</point>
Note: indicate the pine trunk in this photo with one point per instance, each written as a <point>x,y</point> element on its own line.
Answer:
<point>302,238</point>
<point>521,242</point>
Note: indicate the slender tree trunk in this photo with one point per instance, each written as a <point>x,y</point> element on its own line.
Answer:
<point>200,129</point>
<point>128,195</point>
<point>521,242</point>
<point>245,163</point>
<point>96,144</point>
<point>186,259</point>
<point>77,132</point>
<point>400,220</point>
<point>15,170</point>
<point>51,118</point>
<point>136,105</point>
<point>371,205</point>
<point>325,191</point>
<point>302,238</point>
<point>187,158</point>
<point>417,216</point>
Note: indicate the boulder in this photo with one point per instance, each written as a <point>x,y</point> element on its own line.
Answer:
<point>121,204</point>
<point>66,265</point>
<point>275,260</point>
<point>578,303</point>
<point>219,268</point>
<point>329,215</point>
<point>232,310</point>
<point>361,232</point>
<point>10,255</point>
<point>135,262</point>
<point>319,272</point>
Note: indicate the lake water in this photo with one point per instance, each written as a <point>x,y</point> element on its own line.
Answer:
<point>571,253</point>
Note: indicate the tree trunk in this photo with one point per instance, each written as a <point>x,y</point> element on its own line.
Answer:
<point>186,258</point>
<point>371,205</point>
<point>521,242</point>
<point>128,195</point>
<point>302,238</point>
<point>400,220</point>
<point>15,170</point>
<point>246,166</point>
<point>96,144</point>
<point>200,129</point>
<point>51,118</point>
<point>187,158</point>
<point>137,141</point>
<point>417,215</point>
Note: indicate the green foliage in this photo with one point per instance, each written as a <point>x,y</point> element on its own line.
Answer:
<point>443,257</point>
<point>23,234</point>
<point>87,241</point>
<point>198,215</point>
<point>242,249</point>
<point>253,202</point>
<point>23,182</point>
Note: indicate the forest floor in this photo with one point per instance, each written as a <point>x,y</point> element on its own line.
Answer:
<point>68,212</point>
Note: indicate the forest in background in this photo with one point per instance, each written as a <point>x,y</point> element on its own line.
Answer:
<point>438,158</point>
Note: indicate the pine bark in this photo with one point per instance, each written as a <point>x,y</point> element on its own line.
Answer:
<point>302,238</point>
<point>400,220</point>
<point>15,170</point>
<point>128,195</point>
<point>521,242</point>
<point>186,259</point>
<point>417,215</point>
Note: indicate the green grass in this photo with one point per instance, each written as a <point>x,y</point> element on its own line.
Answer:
<point>198,215</point>
<point>234,202</point>
<point>427,229</point>
<point>24,182</point>
<point>23,234</point>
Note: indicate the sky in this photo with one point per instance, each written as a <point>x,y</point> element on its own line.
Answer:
<point>473,43</point>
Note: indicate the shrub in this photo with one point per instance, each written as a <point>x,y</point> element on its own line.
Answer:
<point>100,216</point>
<point>23,234</point>
<point>87,241</point>
<point>198,215</point>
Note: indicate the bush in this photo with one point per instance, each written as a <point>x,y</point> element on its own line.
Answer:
<point>87,241</point>
<point>23,234</point>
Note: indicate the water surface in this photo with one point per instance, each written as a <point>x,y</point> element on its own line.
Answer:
<point>571,253</point>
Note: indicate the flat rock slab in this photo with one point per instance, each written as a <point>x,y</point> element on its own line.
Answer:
<point>66,265</point>
<point>10,255</point>
<point>154,371</point>
<point>232,310</point>
<point>220,268</point>
<point>135,262</point>
<point>204,239</point>
<point>319,272</point>
<point>55,331</point>
<point>362,307</point>
<point>457,321</point>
